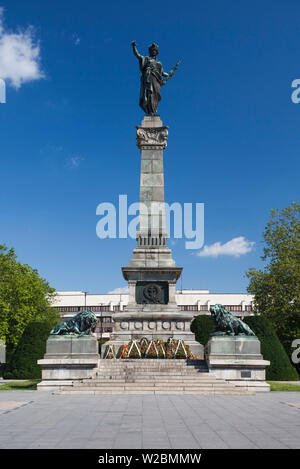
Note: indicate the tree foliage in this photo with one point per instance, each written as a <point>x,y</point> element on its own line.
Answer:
<point>202,326</point>
<point>30,349</point>
<point>24,297</point>
<point>280,368</point>
<point>276,288</point>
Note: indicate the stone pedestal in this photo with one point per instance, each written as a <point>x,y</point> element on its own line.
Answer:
<point>2,356</point>
<point>152,311</point>
<point>67,359</point>
<point>238,360</point>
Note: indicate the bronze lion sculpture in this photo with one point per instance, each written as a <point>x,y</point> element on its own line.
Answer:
<point>227,324</point>
<point>81,324</point>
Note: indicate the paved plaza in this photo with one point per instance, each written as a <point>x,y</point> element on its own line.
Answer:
<point>31,419</point>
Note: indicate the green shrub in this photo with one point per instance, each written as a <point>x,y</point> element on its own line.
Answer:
<point>32,347</point>
<point>202,326</point>
<point>280,368</point>
<point>287,332</point>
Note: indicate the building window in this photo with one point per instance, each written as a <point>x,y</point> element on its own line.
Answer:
<point>76,309</point>
<point>96,309</point>
<point>189,308</point>
<point>106,319</point>
<point>67,309</point>
<point>233,308</point>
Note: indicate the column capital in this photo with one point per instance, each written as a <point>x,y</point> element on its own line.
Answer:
<point>152,138</point>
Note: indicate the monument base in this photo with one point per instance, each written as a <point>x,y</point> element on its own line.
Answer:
<point>153,322</point>
<point>238,360</point>
<point>68,358</point>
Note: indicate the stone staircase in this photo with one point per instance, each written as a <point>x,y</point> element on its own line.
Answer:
<point>152,376</point>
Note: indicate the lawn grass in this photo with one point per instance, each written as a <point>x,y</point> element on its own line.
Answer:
<point>29,385</point>
<point>275,386</point>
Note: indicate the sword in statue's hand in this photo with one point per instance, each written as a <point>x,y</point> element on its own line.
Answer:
<point>171,73</point>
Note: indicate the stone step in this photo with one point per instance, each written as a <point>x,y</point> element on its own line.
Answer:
<point>150,376</point>
<point>137,379</point>
<point>153,390</point>
<point>145,384</point>
<point>145,365</point>
<point>155,363</point>
<point>152,373</point>
<point>154,383</point>
<point>159,382</point>
<point>153,376</point>
<point>151,367</point>
<point>204,393</point>
<point>166,363</point>
<point>152,360</point>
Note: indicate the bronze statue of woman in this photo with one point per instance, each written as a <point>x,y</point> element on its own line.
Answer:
<point>152,75</point>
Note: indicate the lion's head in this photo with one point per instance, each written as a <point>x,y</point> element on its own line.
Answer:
<point>85,320</point>
<point>218,312</point>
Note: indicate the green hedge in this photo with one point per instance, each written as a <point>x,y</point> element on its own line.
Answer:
<point>280,368</point>
<point>202,326</point>
<point>32,347</point>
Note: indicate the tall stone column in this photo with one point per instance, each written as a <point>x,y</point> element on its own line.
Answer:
<point>152,311</point>
<point>152,233</point>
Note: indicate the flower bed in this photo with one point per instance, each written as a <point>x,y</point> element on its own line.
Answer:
<point>158,348</point>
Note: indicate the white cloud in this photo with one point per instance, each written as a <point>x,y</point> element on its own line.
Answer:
<point>119,291</point>
<point>73,161</point>
<point>235,247</point>
<point>76,39</point>
<point>19,55</point>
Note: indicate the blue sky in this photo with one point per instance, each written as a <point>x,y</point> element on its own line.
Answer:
<point>67,129</point>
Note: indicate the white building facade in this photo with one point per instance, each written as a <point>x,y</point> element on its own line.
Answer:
<point>69,303</point>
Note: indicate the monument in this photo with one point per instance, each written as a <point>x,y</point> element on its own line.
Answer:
<point>233,352</point>
<point>152,318</point>
<point>71,352</point>
<point>152,312</point>
<point>153,78</point>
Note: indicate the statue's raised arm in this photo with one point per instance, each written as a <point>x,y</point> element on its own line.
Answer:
<point>152,78</point>
<point>135,51</point>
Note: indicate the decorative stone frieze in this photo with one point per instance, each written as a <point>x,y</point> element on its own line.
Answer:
<point>151,138</point>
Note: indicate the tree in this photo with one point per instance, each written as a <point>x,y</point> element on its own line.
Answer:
<point>276,288</point>
<point>202,326</point>
<point>24,297</point>
<point>280,368</point>
<point>31,348</point>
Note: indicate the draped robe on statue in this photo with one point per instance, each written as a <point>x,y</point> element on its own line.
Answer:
<point>151,83</point>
